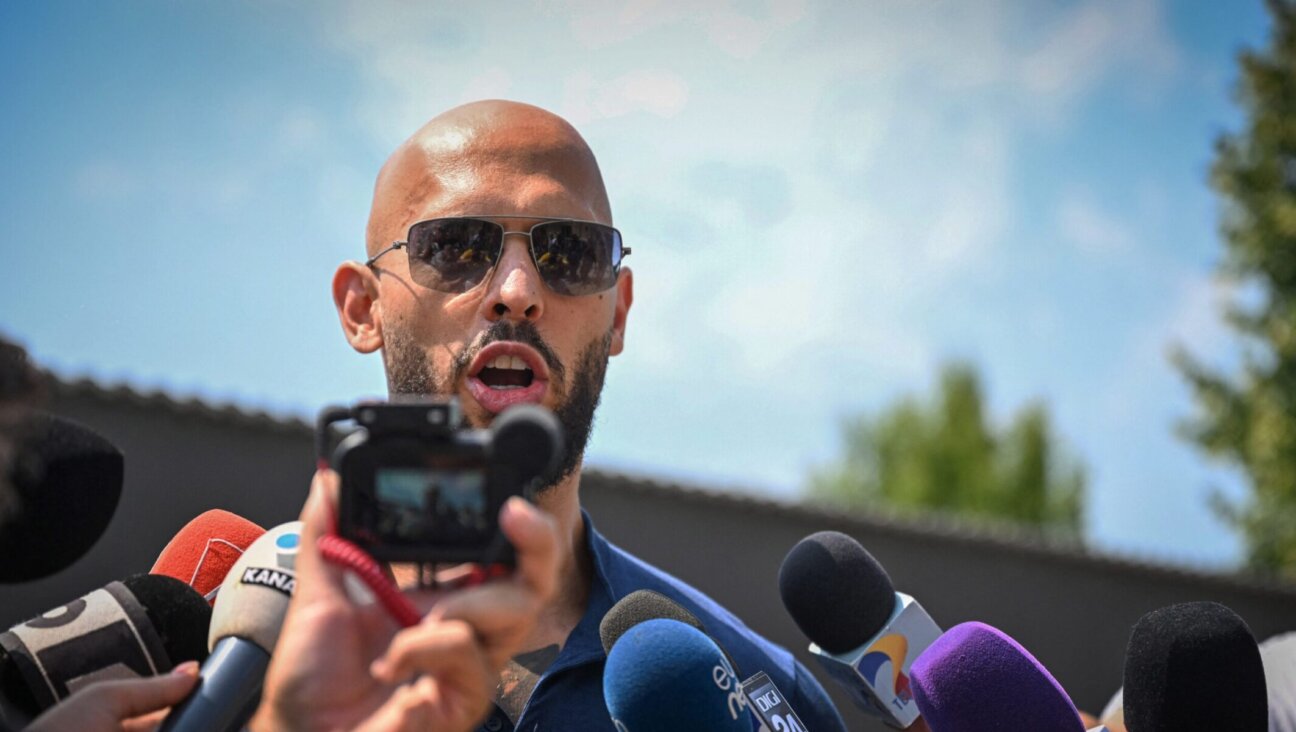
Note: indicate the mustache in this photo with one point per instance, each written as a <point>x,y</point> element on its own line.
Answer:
<point>523,332</point>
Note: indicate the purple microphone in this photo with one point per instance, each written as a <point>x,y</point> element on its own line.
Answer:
<point>975,678</point>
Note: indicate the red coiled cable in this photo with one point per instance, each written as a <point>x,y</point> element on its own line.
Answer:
<point>340,552</point>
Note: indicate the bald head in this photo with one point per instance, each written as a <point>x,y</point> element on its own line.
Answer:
<point>490,157</point>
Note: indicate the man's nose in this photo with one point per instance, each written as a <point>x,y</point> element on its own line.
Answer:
<point>516,292</point>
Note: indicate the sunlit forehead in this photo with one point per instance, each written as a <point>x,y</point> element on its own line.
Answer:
<point>526,201</point>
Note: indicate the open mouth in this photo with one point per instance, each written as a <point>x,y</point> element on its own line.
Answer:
<point>506,373</point>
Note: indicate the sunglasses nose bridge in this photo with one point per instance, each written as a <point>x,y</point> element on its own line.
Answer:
<point>517,238</point>
<point>515,272</point>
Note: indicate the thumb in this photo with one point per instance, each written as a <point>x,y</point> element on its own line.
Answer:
<point>316,579</point>
<point>133,697</point>
<point>319,513</point>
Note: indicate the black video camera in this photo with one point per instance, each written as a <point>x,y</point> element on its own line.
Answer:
<point>419,486</point>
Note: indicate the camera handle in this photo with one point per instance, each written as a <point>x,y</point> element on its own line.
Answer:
<point>342,553</point>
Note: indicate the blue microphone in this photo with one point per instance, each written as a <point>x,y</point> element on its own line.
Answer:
<point>663,674</point>
<point>762,695</point>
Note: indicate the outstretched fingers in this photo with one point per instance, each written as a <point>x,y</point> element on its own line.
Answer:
<point>504,612</point>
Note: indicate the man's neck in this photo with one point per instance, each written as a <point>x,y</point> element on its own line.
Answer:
<point>575,565</point>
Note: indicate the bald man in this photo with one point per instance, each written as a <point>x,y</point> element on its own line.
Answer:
<point>494,275</point>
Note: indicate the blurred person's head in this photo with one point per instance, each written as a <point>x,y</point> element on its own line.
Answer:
<point>1113,715</point>
<point>517,166</point>
<point>20,390</point>
<point>1279,657</point>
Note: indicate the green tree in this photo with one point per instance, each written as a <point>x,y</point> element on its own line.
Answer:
<point>943,456</point>
<point>1248,419</point>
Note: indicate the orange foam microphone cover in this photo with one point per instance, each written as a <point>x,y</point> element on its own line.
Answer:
<point>202,553</point>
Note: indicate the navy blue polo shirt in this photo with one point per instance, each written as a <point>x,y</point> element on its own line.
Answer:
<point>569,695</point>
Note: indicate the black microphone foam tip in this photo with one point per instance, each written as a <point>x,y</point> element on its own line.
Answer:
<point>529,438</point>
<point>178,613</point>
<point>1194,666</point>
<point>68,479</point>
<point>637,607</point>
<point>835,591</point>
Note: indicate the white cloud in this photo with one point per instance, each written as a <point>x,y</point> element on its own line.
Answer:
<point>210,186</point>
<point>1091,230</point>
<point>492,83</point>
<point>970,204</point>
<point>1191,319</point>
<point>105,181</point>
<point>587,99</point>
<point>593,60</point>
<point>742,35</point>
<point>1066,59</point>
<point>600,25</point>
<point>301,130</point>
<point>1096,39</point>
<point>1034,65</point>
<point>1196,319</point>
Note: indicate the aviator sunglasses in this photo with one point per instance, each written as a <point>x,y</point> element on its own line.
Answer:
<point>455,254</point>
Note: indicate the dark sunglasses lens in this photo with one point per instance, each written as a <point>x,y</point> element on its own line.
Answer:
<point>453,255</point>
<point>576,258</point>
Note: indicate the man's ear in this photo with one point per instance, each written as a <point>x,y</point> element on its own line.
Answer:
<point>624,298</point>
<point>355,293</point>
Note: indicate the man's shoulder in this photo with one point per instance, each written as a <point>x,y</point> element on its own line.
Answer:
<point>751,652</point>
<point>727,629</point>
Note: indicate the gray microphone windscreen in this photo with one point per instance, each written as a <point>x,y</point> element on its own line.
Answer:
<point>253,599</point>
<point>637,607</point>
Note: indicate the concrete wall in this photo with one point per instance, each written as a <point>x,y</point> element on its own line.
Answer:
<point>178,463</point>
<point>1073,611</point>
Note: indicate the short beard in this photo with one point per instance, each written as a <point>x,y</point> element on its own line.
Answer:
<point>576,412</point>
<point>408,370</point>
<point>410,373</point>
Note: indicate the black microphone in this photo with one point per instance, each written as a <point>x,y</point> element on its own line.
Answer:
<point>66,480</point>
<point>864,634</point>
<point>1194,666</point>
<point>527,440</point>
<point>759,692</point>
<point>249,613</point>
<point>141,626</point>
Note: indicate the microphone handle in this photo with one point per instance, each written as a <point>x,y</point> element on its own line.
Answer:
<point>228,688</point>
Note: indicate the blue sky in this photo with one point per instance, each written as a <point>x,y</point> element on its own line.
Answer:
<point>826,201</point>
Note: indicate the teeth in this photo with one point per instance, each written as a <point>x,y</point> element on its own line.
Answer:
<point>508,362</point>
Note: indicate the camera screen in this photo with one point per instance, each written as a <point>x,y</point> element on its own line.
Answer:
<point>421,505</point>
